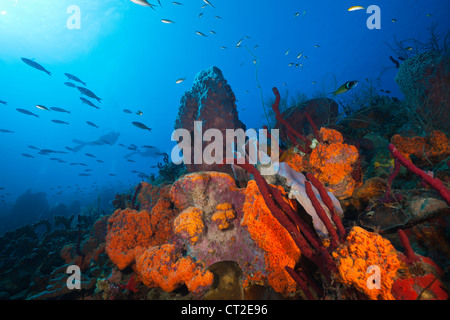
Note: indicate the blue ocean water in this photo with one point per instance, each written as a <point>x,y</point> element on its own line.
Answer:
<point>132,60</point>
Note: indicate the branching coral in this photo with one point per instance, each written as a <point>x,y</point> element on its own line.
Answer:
<point>435,183</point>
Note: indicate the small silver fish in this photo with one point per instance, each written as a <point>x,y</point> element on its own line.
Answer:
<point>167,21</point>
<point>60,121</point>
<point>59,109</point>
<point>42,107</point>
<point>208,3</point>
<point>70,84</point>
<point>36,65</point>
<point>143,3</point>
<point>141,126</point>
<point>27,155</point>
<point>74,78</point>
<point>92,124</point>
<point>27,112</point>
<point>200,33</point>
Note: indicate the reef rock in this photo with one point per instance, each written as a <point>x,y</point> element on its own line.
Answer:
<point>430,149</point>
<point>212,102</point>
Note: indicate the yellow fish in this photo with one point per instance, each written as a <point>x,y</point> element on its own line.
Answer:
<point>354,8</point>
<point>345,87</point>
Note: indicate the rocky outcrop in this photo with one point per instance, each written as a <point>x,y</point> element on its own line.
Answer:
<point>424,80</point>
<point>212,102</point>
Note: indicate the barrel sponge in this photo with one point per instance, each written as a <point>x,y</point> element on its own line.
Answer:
<point>414,73</point>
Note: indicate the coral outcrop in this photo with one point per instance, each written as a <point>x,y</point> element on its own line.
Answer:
<point>424,79</point>
<point>128,231</point>
<point>212,102</point>
<point>429,149</point>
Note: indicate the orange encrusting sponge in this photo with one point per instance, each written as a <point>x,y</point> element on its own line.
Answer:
<point>163,266</point>
<point>362,250</point>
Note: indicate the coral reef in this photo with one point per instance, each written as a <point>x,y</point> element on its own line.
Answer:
<point>57,285</point>
<point>335,163</point>
<point>345,209</point>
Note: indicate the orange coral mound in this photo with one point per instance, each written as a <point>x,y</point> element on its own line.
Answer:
<point>148,196</point>
<point>223,215</point>
<point>295,161</point>
<point>266,231</point>
<point>189,224</point>
<point>333,161</point>
<point>161,217</point>
<point>127,230</point>
<point>163,266</point>
<point>361,250</point>
<point>435,146</point>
